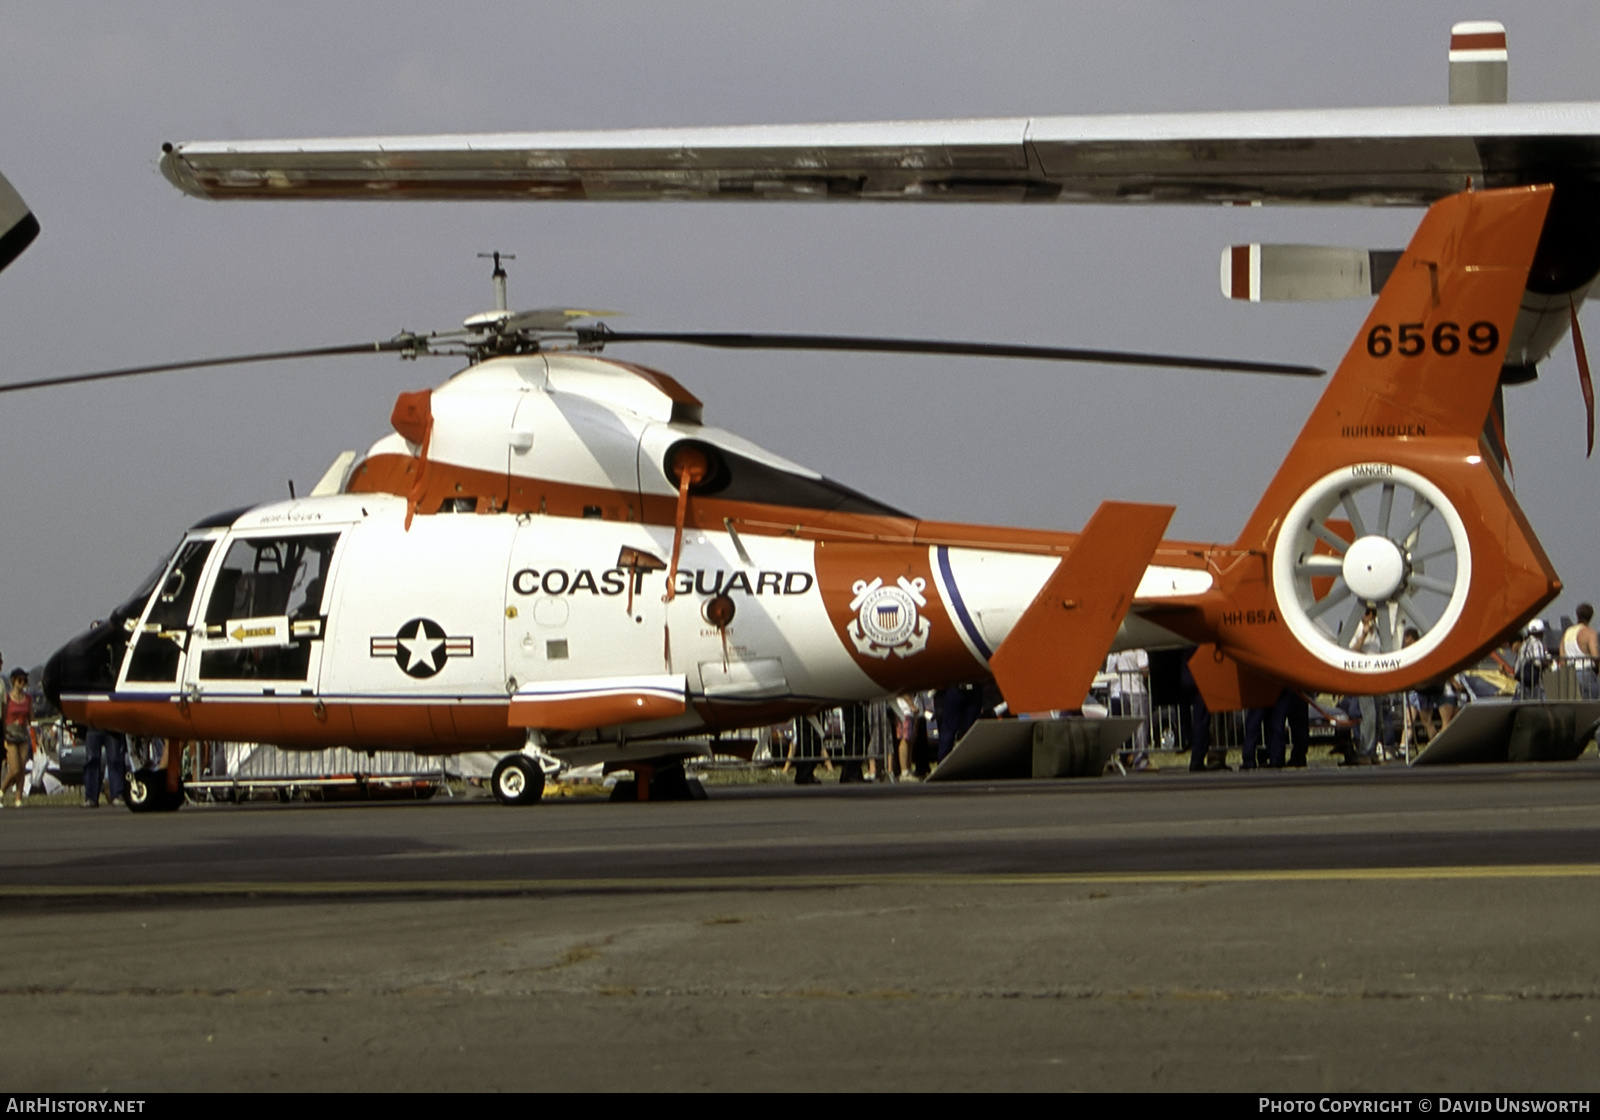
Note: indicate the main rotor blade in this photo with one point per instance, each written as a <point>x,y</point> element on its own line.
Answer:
<point>402,343</point>
<point>607,336</point>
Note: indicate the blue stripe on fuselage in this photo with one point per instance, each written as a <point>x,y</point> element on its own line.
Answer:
<point>961,608</point>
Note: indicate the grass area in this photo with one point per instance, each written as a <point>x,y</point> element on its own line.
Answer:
<point>68,795</point>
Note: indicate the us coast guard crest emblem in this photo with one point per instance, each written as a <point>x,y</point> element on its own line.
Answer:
<point>888,618</point>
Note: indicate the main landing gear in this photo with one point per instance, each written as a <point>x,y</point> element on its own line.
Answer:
<point>517,780</point>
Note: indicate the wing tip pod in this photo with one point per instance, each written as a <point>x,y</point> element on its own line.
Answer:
<point>178,172</point>
<point>1479,63</point>
<point>18,226</point>
<point>1241,272</point>
<point>1476,38</point>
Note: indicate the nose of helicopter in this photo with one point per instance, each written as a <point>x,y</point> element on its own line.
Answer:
<point>84,665</point>
<point>50,680</point>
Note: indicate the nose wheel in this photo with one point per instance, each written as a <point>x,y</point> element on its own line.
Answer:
<point>148,793</point>
<point>517,780</point>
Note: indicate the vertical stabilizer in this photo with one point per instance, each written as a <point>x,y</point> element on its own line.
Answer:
<point>1387,500</point>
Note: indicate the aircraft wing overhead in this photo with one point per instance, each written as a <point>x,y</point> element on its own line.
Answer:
<point>1404,156</point>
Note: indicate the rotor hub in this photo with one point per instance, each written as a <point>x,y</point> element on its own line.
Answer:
<point>1374,568</point>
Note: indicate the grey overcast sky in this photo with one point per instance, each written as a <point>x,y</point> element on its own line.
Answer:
<point>98,481</point>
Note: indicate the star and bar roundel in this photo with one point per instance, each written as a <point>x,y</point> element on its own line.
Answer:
<point>421,648</point>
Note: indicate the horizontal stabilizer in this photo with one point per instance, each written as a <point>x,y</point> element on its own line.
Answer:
<point>1051,655</point>
<point>18,226</point>
<point>1282,273</point>
<point>602,702</point>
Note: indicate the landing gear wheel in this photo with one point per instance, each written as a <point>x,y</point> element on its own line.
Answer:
<point>147,792</point>
<point>517,780</point>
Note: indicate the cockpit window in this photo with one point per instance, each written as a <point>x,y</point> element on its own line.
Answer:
<point>170,611</point>
<point>133,606</point>
<point>166,634</point>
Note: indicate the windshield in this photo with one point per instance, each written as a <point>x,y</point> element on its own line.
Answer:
<point>133,606</point>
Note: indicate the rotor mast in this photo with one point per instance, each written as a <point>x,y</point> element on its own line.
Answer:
<point>499,278</point>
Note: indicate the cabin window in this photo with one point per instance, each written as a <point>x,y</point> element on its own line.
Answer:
<point>268,576</point>
<point>268,598</point>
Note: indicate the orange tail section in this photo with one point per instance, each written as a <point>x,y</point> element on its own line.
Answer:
<point>1386,500</point>
<point>1049,659</point>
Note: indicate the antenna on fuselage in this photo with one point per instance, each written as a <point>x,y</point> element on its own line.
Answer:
<point>499,277</point>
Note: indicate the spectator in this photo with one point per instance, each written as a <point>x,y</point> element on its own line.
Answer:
<point>1196,721</point>
<point>109,748</point>
<point>908,719</point>
<point>923,748</point>
<point>1580,648</point>
<point>960,706</point>
<point>18,735</point>
<point>1367,640</point>
<point>1290,713</point>
<point>1128,696</point>
<point>1429,698</point>
<point>1532,658</point>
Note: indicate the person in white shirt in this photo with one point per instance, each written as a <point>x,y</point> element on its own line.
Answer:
<point>1580,648</point>
<point>1129,696</point>
<point>1367,639</point>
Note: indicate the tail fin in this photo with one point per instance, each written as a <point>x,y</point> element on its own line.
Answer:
<point>1049,659</point>
<point>1412,516</point>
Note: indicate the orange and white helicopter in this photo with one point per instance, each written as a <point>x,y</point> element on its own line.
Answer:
<point>552,555</point>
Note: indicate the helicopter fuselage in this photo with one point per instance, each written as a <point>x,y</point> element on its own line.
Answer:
<point>328,621</point>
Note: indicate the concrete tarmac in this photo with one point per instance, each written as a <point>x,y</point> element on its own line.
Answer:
<point>1379,929</point>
